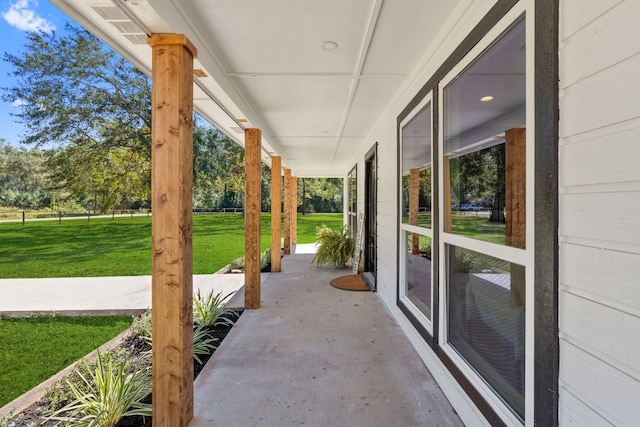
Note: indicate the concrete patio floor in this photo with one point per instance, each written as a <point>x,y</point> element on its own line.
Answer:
<point>314,355</point>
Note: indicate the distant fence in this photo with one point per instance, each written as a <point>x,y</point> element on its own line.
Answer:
<point>41,215</point>
<point>218,210</point>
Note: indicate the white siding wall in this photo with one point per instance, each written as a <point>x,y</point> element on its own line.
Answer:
<point>599,212</point>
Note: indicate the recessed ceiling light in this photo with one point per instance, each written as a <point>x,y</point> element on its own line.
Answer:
<point>329,45</point>
<point>486,98</point>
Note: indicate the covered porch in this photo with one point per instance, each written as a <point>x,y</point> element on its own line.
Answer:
<point>304,89</point>
<point>317,355</point>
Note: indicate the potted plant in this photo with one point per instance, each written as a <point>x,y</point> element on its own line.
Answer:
<point>334,247</point>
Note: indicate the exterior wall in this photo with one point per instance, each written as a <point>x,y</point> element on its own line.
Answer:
<point>599,301</point>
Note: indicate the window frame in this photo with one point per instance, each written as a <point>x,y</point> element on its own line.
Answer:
<point>542,119</point>
<point>407,305</point>
<point>507,253</point>
<point>352,214</point>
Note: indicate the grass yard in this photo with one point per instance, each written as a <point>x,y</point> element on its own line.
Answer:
<point>478,227</point>
<point>34,349</point>
<point>122,246</point>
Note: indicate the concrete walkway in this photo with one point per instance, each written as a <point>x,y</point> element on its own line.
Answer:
<point>314,355</point>
<point>107,295</point>
<point>95,295</point>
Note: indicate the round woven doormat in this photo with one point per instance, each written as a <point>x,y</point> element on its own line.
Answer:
<point>352,282</point>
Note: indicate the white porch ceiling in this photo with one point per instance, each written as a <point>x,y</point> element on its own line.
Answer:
<point>265,63</point>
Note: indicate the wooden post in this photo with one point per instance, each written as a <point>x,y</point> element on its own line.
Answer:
<point>171,229</point>
<point>252,193</point>
<point>23,217</point>
<point>287,211</point>
<point>414,203</point>
<point>446,178</point>
<point>515,158</point>
<point>294,209</point>
<point>276,208</point>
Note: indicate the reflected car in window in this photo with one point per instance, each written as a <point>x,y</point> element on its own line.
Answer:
<point>471,207</point>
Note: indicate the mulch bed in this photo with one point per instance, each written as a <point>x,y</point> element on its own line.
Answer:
<point>36,412</point>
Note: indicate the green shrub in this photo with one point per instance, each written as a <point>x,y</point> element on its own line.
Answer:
<point>110,391</point>
<point>61,393</point>
<point>202,343</point>
<point>211,310</point>
<point>265,259</point>
<point>141,325</point>
<point>335,247</point>
<point>425,250</point>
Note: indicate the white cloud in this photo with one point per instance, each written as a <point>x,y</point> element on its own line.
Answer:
<point>21,14</point>
<point>18,103</point>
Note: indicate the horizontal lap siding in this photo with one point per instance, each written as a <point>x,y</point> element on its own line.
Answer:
<point>599,304</point>
<point>387,212</point>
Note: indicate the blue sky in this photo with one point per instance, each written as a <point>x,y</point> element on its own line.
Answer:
<point>17,17</point>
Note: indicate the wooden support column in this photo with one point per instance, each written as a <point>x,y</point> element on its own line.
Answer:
<point>276,208</point>
<point>287,211</point>
<point>294,209</point>
<point>171,230</point>
<point>446,178</point>
<point>252,199</point>
<point>414,203</point>
<point>515,158</point>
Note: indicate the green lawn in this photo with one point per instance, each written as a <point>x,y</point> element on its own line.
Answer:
<point>34,349</point>
<point>478,227</point>
<point>122,246</point>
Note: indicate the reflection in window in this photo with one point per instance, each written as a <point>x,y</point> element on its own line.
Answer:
<point>483,171</point>
<point>416,169</point>
<point>418,274</point>
<point>487,319</point>
<point>484,144</point>
<point>352,200</point>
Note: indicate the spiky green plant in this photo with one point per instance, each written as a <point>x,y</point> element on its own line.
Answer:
<point>211,310</point>
<point>141,325</point>
<point>115,390</point>
<point>203,343</point>
<point>335,247</point>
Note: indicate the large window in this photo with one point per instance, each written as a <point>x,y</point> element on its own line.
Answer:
<point>352,200</point>
<point>484,188</point>
<point>416,157</point>
<point>464,257</point>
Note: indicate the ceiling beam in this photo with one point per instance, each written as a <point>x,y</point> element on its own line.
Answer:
<point>364,50</point>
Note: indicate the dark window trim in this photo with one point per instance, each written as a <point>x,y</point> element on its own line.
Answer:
<point>546,343</point>
<point>430,337</point>
<point>482,404</point>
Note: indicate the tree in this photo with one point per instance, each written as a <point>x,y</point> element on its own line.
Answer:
<point>496,156</point>
<point>90,106</point>
<point>320,195</point>
<point>218,169</point>
<point>23,178</point>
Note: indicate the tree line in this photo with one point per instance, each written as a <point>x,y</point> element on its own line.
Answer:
<point>86,112</point>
